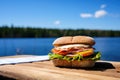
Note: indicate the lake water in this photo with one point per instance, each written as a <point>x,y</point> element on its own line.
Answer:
<point>109,47</point>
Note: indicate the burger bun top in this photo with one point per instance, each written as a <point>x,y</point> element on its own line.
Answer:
<point>66,40</point>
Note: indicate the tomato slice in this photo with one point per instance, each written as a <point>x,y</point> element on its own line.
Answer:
<point>85,53</point>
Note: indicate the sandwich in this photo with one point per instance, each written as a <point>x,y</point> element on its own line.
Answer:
<point>74,51</point>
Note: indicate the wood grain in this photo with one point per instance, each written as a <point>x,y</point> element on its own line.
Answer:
<point>103,70</point>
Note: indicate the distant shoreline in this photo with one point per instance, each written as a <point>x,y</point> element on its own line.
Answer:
<point>30,32</point>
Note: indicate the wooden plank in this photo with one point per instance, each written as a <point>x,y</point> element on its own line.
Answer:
<point>45,70</point>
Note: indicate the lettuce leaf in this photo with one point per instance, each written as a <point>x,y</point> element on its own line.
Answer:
<point>96,56</point>
<point>55,56</point>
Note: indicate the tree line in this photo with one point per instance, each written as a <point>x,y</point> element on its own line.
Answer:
<point>23,32</point>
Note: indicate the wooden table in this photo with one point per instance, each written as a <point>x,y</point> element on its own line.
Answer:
<point>45,70</point>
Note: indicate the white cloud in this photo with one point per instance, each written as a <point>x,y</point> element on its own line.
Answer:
<point>86,15</point>
<point>97,14</point>
<point>103,6</point>
<point>57,22</point>
<point>100,13</point>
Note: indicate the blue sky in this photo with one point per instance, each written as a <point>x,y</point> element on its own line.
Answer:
<point>63,14</point>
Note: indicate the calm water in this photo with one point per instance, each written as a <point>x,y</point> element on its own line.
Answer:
<point>110,47</point>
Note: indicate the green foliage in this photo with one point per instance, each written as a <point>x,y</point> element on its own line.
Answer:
<point>17,32</point>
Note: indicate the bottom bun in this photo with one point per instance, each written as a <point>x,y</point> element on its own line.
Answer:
<point>74,64</point>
